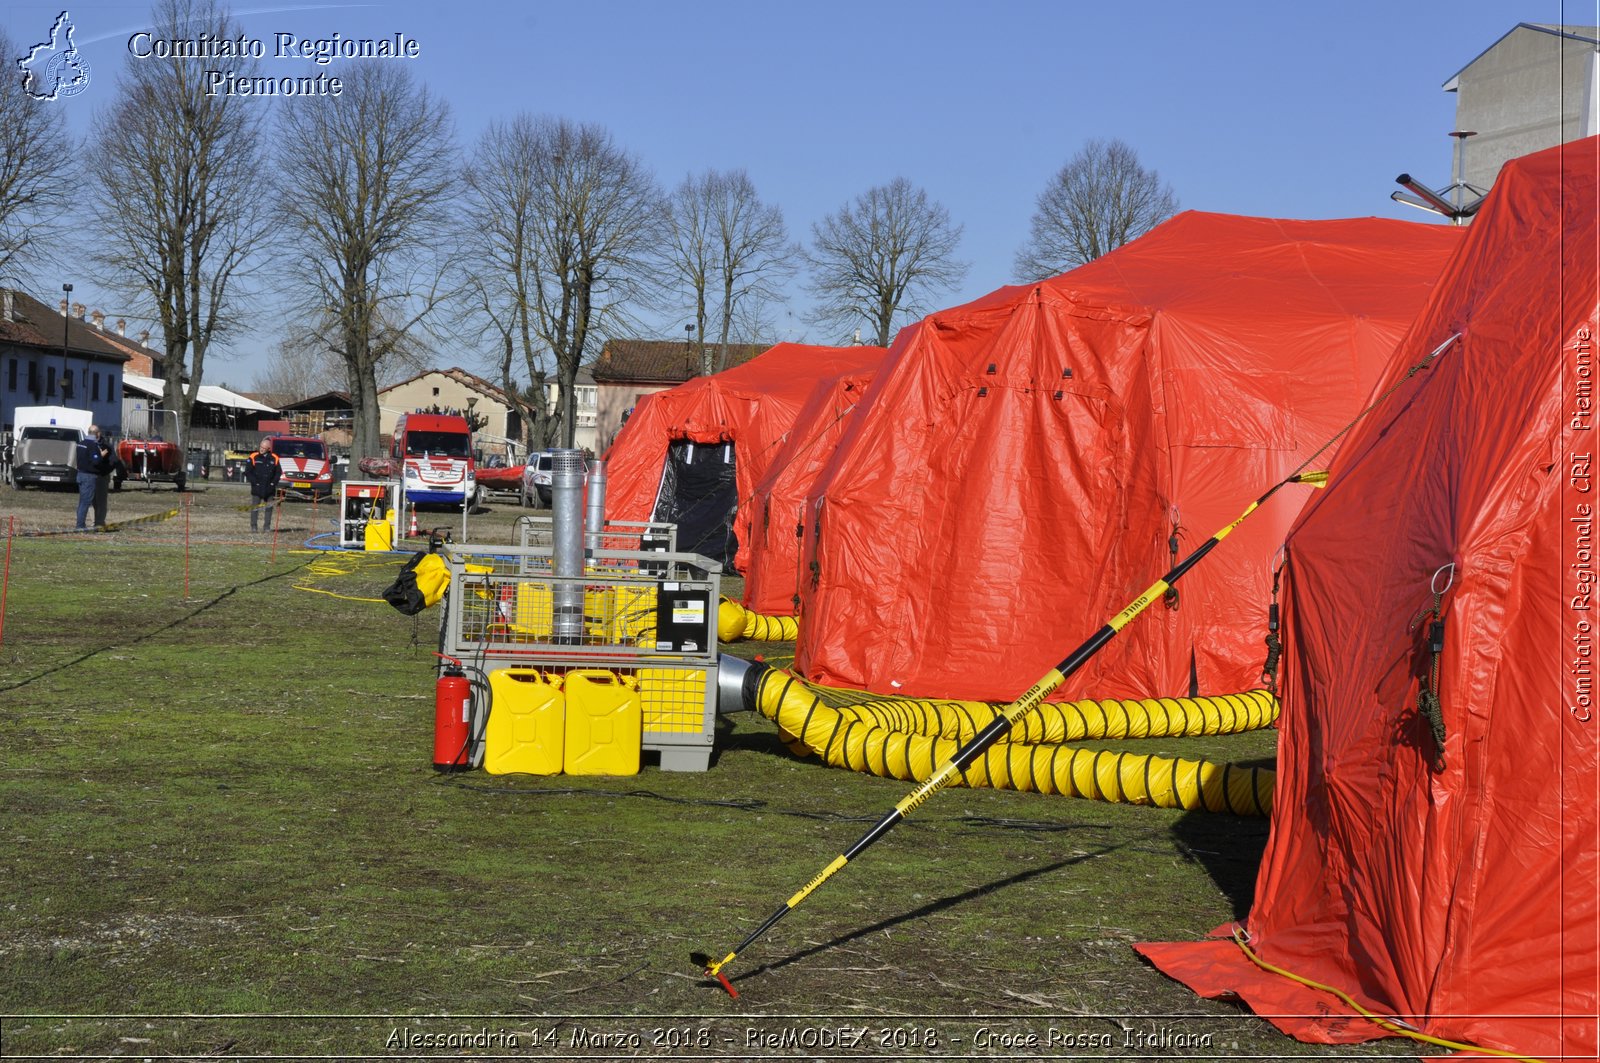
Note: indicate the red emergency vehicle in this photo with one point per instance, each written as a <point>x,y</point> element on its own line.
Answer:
<point>436,452</point>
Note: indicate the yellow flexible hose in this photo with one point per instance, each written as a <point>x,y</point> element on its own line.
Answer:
<point>735,622</point>
<point>1074,721</point>
<point>1065,722</point>
<point>1127,778</point>
<point>337,565</point>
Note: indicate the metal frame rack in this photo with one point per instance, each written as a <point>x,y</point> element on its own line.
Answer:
<point>626,535</point>
<point>646,617</point>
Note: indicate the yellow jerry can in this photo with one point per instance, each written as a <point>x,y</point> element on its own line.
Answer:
<point>379,534</point>
<point>527,723</point>
<point>605,729</point>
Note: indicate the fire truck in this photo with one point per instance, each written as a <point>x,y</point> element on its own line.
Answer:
<point>436,450</point>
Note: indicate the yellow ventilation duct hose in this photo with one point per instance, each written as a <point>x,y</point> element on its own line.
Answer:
<point>1127,778</point>
<point>1065,722</point>
<point>735,622</point>
<point>1074,721</point>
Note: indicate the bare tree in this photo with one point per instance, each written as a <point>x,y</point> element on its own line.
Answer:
<point>365,183</point>
<point>528,399</point>
<point>488,308</point>
<point>308,360</point>
<point>302,364</point>
<point>571,221</point>
<point>730,250</point>
<point>35,157</point>
<point>753,253</point>
<point>505,180</point>
<point>1098,201</point>
<point>689,247</point>
<point>176,175</point>
<point>878,257</point>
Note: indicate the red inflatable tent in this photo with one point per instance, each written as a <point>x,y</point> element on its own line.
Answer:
<point>772,575</point>
<point>1459,897</point>
<point>1023,465</point>
<point>693,454</point>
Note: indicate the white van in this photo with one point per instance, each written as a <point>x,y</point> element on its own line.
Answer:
<point>45,445</point>
<point>536,481</point>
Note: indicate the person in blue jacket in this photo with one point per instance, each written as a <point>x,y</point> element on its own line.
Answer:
<point>94,461</point>
<point>262,472</point>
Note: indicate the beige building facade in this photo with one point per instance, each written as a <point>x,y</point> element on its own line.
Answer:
<point>450,391</point>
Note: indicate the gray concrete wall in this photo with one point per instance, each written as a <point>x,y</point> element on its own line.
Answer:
<point>1529,92</point>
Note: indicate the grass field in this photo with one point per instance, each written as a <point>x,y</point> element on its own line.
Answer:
<point>222,836</point>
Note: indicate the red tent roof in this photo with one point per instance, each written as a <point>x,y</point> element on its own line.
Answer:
<point>752,406</point>
<point>1462,900</point>
<point>1019,465</point>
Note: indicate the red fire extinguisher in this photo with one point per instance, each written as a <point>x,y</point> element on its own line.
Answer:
<point>452,728</point>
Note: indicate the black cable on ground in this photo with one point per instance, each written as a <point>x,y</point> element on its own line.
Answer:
<point>206,607</point>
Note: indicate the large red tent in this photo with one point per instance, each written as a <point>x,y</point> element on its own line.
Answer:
<point>693,454</point>
<point>1453,889</point>
<point>1024,465</point>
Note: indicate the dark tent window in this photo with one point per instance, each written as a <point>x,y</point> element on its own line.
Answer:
<point>699,496</point>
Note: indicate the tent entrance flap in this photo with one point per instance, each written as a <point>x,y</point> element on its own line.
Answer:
<point>699,495</point>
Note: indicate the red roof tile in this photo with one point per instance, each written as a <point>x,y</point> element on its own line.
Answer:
<point>660,361</point>
<point>460,376</point>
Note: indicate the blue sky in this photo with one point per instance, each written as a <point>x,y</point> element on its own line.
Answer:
<point>1288,110</point>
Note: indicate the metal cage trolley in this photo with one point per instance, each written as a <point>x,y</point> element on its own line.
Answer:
<point>582,674</point>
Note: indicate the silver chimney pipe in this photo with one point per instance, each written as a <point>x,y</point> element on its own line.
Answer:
<point>566,560</point>
<point>595,521</point>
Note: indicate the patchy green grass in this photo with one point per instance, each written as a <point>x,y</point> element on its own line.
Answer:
<point>220,823</point>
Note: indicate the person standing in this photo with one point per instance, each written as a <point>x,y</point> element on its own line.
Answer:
<point>102,481</point>
<point>92,461</point>
<point>262,473</point>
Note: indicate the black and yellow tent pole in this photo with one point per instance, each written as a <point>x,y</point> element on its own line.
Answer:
<point>1036,694</point>
<point>1003,721</point>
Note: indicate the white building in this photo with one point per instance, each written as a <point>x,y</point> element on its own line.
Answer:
<point>50,358</point>
<point>587,399</point>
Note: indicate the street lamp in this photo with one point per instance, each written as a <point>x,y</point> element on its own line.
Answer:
<point>66,319</point>
<point>1457,208</point>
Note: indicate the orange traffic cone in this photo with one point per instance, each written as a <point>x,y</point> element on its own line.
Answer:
<point>413,532</point>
